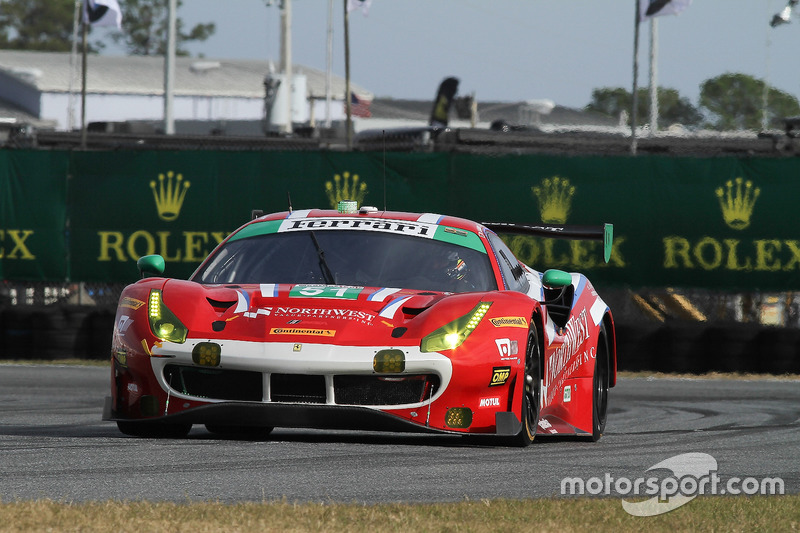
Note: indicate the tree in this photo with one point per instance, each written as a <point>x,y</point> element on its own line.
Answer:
<point>672,108</point>
<point>735,101</point>
<point>144,28</point>
<point>36,24</point>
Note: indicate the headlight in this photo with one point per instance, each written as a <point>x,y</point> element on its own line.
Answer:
<point>163,323</point>
<point>452,335</point>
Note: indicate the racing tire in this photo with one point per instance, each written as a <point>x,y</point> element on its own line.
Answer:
<point>154,430</point>
<point>600,386</point>
<point>244,432</point>
<point>531,390</point>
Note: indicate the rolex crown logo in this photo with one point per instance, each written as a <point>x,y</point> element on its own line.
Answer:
<point>555,199</point>
<point>342,188</point>
<point>169,196</point>
<point>737,200</point>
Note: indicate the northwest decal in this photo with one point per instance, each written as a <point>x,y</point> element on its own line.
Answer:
<point>554,197</point>
<point>342,188</point>
<point>169,194</point>
<point>297,314</point>
<point>575,335</point>
<point>737,200</point>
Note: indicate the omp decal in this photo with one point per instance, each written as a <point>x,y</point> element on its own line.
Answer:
<point>509,322</point>
<point>489,402</point>
<point>243,303</point>
<point>567,394</point>
<point>507,348</point>
<point>131,303</point>
<point>381,295</point>
<point>269,290</point>
<point>430,218</point>
<point>303,331</point>
<point>394,305</point>
<point>597,311</point>
<point>500,375</point>
<point>364,224</point>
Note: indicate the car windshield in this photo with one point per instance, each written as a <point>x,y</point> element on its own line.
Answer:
<point>360,258</point>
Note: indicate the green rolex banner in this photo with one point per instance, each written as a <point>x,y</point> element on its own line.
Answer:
<point>719,223</point>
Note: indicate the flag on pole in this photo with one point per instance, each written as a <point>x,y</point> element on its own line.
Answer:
<point>102,13</point>
<point>359,4</point>
<point>359,107</point>
<point>656,8</point>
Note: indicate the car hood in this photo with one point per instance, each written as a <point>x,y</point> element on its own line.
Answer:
<point>310,313</point>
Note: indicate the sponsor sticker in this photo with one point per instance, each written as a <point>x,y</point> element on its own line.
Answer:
<point>509,322</point>
<point>303,331</point>
<point>490,402</point>
<point>507,348</point>
<point>131,303</point>
<point>567,394</point>
<point>500,375</point>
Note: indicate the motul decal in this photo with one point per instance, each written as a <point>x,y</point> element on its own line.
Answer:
<point>489,402</point>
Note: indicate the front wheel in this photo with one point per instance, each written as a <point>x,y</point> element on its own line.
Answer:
<point>600,386</point>
<point>531,390</point>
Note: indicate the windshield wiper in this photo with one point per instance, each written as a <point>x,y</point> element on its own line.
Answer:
<point>323,264</point>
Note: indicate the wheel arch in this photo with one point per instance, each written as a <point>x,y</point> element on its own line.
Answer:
<point>611,339</point>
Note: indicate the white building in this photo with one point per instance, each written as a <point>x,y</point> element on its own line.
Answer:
<point>47,86</point>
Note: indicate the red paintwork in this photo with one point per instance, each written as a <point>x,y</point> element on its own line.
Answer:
<point>568,357</point>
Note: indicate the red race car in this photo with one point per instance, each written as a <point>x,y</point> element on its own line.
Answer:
<point>367,320</point>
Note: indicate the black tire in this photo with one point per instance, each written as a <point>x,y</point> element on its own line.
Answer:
<point>600,385</point>
<point>154,430</point>
<point>531,390</point>
<point>244,432</point>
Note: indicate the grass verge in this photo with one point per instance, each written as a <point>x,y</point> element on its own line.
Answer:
<point>760,513</point>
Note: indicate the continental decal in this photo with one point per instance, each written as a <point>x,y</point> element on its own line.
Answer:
<point>500,375</point>
<point>509,322</point>
<point>303,331</point>
<point>131,303</point>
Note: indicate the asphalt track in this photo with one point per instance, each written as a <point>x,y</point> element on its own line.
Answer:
<point>53,445</point>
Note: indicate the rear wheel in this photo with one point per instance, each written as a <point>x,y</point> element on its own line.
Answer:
<point>153,430</point>
<point>531,390</point>
<point>600,386</point>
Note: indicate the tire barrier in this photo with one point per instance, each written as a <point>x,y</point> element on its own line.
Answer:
<point>55,332</point>
<point>84,332</point>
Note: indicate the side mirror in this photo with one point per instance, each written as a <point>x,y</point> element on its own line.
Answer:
<point>151,265</point>
<point>556,279</point>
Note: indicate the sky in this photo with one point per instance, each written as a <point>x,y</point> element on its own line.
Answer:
<point>511,50</point>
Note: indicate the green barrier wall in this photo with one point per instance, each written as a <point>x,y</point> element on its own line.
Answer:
<point>719,223</point>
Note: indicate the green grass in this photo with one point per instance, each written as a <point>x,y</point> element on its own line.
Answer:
<point>729,514</point>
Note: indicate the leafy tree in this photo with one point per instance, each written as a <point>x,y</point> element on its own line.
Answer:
<point>735,101</point>
<point>144,28</point>
<point>672,107</point>
<point>36,24</point>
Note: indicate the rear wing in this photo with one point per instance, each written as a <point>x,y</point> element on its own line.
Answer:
<point>604,232</point>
